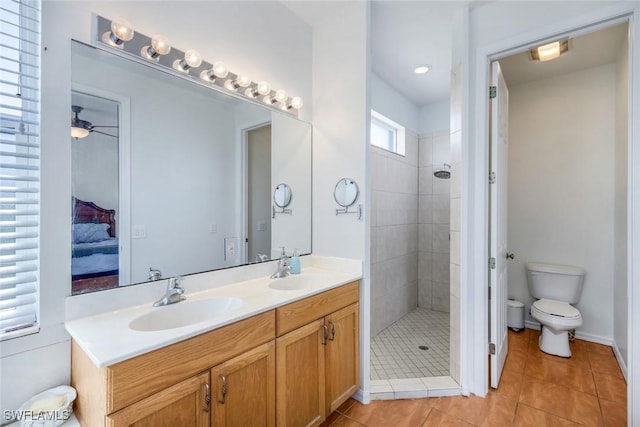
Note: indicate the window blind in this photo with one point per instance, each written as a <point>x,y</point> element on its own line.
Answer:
<point>19,166</point>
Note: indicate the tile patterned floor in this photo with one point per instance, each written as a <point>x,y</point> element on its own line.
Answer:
<point>395,351</point>
<point>536,390</point>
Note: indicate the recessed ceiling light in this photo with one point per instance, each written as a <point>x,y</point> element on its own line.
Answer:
<point>421,69</point>
<point>549,51</point>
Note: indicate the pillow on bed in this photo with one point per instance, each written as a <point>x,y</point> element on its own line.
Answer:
<point>90,233</point>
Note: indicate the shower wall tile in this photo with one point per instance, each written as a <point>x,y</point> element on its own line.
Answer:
<point>394,233</point>
<point>440,238</point>
<point>441,185</point>
<point>455,247</point>
<point>425,150</point>
<point>425,237</point>
<point>379,170</point>
<point>440,296</point>
<point>440,272</point>
<point>426,181</point>
<point>454,277</point>
<point>425,287</point>
<point>411,148</point>
<point>441,212</point>
<point>425,266</point>
<point>441,148</point>
<point>425,209</point>
<point>455,214</point>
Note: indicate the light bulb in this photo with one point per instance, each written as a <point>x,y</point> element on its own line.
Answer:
<point>296,102</point>
<point>159,46</point>
<point>243,81</point>
<point>281,95</point>
<point>230,84</point>
<point>263,88</point>
<point>549,51</point>
<point>220,69</point>
<point>121,31</point>
<point>192,59</point>
<point>77,132</point>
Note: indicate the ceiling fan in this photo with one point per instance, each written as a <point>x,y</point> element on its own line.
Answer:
<point>82,128</point>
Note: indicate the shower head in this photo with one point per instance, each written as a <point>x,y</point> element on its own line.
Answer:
<point>444,172</point>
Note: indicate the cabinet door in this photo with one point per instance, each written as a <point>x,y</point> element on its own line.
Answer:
<point>185,404</point>
<point>300,395</point>
<point>244,389</point>
<point>342,356</point>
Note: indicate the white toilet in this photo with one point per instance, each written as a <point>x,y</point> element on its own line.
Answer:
<point>555,287</point>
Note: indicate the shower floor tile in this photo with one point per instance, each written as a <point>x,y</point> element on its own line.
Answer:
<point>395,351</point>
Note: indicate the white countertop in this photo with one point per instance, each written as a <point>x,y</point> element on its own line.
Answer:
<point>107,338</point>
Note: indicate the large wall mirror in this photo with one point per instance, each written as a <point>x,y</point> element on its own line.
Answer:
<point>172,178</point>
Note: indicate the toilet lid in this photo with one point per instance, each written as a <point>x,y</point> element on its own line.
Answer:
<point>556,308</point>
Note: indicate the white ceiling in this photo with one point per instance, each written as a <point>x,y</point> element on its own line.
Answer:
<point>405,34</point>
<point>586,51</point>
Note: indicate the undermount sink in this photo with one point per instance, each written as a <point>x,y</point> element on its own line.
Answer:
<point>296,282</point>
<point>184,313</point>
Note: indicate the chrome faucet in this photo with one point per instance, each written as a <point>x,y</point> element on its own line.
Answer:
<point>154,274</point>
<point>283,266</point>
<point>174,294</point>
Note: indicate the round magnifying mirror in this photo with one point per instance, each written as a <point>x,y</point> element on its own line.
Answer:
<point>346,192</point>
<point>282,195</point>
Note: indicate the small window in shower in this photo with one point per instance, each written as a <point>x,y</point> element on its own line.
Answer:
<point>386,134</point>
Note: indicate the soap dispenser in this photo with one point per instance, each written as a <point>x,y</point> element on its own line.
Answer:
<point>295,262</point>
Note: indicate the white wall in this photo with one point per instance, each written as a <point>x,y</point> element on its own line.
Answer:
<point>435,117</point>
<point>263,39</point>
<point>620,297</point>
<point>390,103</point>
<point>290,164</point>
<point>561,186</point>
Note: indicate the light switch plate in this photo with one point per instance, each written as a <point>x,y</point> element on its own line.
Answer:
<point>230,248</point>
<point>139,231</point>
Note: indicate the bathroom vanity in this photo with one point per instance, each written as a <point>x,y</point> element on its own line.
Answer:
<point>288,355</point>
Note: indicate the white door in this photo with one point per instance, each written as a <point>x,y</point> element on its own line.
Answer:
<point>498,224</point>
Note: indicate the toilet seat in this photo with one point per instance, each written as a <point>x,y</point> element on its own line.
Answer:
<point>557,314</point>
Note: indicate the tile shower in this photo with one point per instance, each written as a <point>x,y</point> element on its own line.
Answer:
<point>410,260</point>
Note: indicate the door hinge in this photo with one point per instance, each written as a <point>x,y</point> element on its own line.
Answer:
<point>492,263</point>
<point>493,91</point>
<point>492,348</point>
<point>492,177</point>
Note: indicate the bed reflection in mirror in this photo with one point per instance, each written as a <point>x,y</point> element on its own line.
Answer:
<point>170,170</point>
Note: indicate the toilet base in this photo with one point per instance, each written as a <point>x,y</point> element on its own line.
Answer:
<point>554,342</point>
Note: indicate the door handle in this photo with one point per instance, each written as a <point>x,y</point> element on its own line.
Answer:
<point>333,330</point>
<point>510,255</point>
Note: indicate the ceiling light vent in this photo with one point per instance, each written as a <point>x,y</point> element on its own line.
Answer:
<point>549,51</point>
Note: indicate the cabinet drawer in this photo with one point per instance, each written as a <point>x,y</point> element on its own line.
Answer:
<point>299,313</point>
<point>137,378</point>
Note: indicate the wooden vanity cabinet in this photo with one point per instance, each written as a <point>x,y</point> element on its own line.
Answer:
<point>317,362</point>
<point>291,366</point>
<point>243,389</point>
<point>111,396</point>
<point>185,404</point>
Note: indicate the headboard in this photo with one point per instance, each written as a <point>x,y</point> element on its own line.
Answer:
<point>84,212</point>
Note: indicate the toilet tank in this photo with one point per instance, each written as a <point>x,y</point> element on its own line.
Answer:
<point>556,282</point>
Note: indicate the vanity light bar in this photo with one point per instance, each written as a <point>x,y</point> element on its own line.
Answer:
<point>157,52</point>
